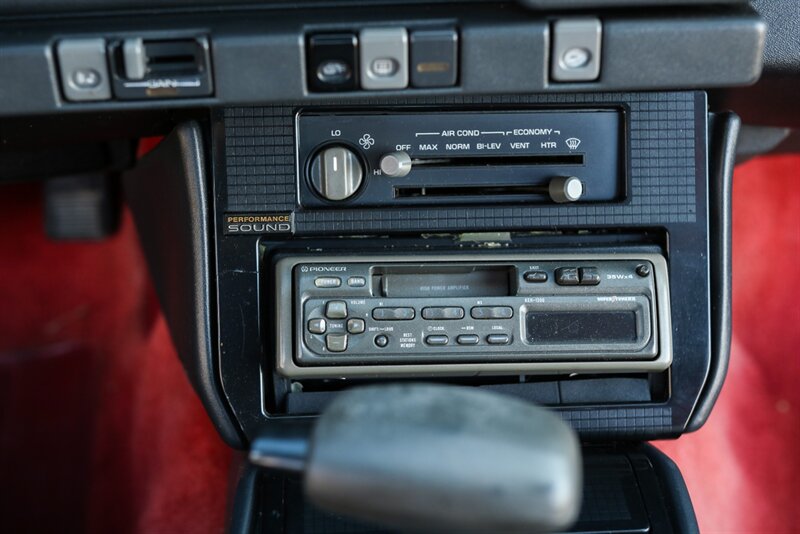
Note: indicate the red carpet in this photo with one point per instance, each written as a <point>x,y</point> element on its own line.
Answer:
<point>101,432</point>
<point>743,467</point>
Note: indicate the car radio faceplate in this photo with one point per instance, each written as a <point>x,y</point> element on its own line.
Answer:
<point>492,314</point>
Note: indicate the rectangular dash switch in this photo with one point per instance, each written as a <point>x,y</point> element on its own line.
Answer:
<point>434,58</point>
<point>576,49</point>
<point>333,62</point>
<point>384,58</point>
<point>83,67</point>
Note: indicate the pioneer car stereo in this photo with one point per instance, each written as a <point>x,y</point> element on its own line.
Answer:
<point>343,316</point>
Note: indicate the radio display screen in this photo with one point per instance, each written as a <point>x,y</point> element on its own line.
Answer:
<point>549,327</point>
<point>447,282</point>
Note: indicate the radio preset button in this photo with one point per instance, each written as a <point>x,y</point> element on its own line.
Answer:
<point>436,340</point>
<point>336,309</point>
<point>535,277</point>
<point>498,339</point>
<point>393,314</point>
<point>589,276</point>
<point>317,326</point>
<point>567,276</point>
<point>356,281</point>
<point>328,281</point>
<point>336,342</point>
<point>356,326</point>
<point>492,312</point>
<point>442,313</point>
<point>467,339</point>
<point>381,341</point>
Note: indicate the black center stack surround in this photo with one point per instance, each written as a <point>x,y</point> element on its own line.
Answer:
<point>326,270</point>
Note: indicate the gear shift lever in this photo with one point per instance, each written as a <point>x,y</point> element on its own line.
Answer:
<point>435,457</point>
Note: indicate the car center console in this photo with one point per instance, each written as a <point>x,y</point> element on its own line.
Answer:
<point>462,255</point>
<point>473,263</point>
<point>528,202</point>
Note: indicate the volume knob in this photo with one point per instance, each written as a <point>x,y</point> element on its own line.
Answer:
<point>336,173</point>
<point>396,164</point>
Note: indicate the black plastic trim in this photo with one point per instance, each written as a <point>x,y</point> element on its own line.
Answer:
<point>673,488</point>
<point>272,501</point>
<point>724,130</point>
<point>638,4</point>
<point>243,495</point>
<point>167,193</point>
<point>259,56</point>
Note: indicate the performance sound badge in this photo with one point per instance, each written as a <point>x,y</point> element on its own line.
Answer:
<point>265,223</point>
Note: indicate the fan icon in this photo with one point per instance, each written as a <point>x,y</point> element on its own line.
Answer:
<point>366,141</point>
<point>573,143</point>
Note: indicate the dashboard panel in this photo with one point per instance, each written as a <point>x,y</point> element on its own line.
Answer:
<point>528,198</point>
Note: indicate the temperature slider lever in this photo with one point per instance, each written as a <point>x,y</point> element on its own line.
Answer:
<point>561,189</point>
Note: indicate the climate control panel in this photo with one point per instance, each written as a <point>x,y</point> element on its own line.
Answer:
<point>460,157</point>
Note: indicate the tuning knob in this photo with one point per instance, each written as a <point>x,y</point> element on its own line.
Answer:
<point>336,173</point>
<point>396,164</point>
<point>564,189</point>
